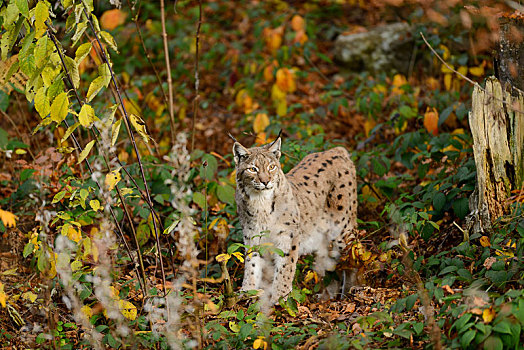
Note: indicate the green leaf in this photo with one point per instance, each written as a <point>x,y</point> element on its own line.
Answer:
<point>502,327</point>
<point>466,338</point>
<point>86,151</point>
<point>58,197</point>
<point>23,7</point>
<point>493,343</point>
<point>28,249</point>
<point>461,322</point>
<point>418,327</point>
<point>461,207</point>
<point>199,199</point>
<point>411,300</point>
<point>448,269</point>
<point>96,85</point>
<point>207,172</point>
<point>439,201</point>
<point>86,117</point>
<point>378,167</point>
<point>60,108</point>
<point>10,15</point>
<point>226,194</point>
<point>82,52</point>
<point>108,38</point>
<point>28,66</point>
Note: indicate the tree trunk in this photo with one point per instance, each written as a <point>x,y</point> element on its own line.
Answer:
<point>498,147</point>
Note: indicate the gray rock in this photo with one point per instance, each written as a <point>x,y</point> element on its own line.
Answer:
<point>384,48</point>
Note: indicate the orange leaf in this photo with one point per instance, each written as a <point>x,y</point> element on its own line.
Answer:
<point>431,121</point>
<point>300,37</point>
<point>298,23</point>
<point>268,73</point>
<point>286,80</point>
<point>398,81</point>
<point>8,218</point>
<point>112,19</point>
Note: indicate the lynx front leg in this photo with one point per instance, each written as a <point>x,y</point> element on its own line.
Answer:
<point>253,267</point>
<point>285,267</point>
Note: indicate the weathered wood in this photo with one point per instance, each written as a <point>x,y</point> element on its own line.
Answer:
<point>498,148</point>
<point>510,60</point>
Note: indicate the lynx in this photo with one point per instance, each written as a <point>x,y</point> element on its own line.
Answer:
<point>312,209</point>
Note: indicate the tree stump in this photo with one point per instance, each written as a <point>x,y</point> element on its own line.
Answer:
<point>497,125</point>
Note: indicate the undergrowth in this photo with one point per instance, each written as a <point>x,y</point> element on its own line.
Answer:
<point>128,227</point>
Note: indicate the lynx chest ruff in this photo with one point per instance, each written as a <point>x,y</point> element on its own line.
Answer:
<point>312,209</point>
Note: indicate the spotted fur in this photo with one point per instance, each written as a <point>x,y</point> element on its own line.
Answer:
<point>312,209</point>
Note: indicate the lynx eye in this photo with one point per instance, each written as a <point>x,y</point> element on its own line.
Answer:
<point>253,169</point>
<point>272,167</point>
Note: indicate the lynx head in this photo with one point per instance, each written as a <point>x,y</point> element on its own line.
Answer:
<point>258,168</point>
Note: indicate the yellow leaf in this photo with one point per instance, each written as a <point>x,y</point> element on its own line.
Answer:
<point>140,126</point>
<point>431,121</point>
<point>8,218</point>
<point>86,117</point>
<point>96,85</point>
<point>477,71</point>
<point>112,179</point>
<point>282,108</point>
<point>447,81</point>
<point>94,204</point>
<point>368,126</point>
<point>239,256</point>
<point>60,108</point>
<point>3,296</point>
<point>115,130</point>
<point>29,296</point>
<point>462,70</point>
<point>87,311</point>
<point>223,257</point>
<point>260,123</point>
<point>484,241</point>
<point>311,275</point>
<point>112,18</point>
<point>74,234</point>
<point>488,315</point>
<point>85,151</point>
<point>259,343</point>
<point>128,309</point>
<point>398,81</point>
<point>277,94</point>
<point>445,53</point>
<point>286,80</point>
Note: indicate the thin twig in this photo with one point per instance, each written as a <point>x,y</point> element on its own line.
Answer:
<point>79,147</point>
<point>135,147</point>
<point>197,78</point>
<point>168,68</point>
<point>146,51</point>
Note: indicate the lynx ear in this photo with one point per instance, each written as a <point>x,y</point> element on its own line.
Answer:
<point>240,152</point>
<point>274,147</point>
